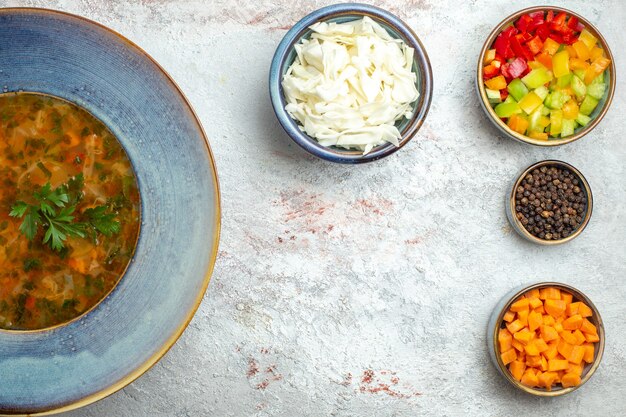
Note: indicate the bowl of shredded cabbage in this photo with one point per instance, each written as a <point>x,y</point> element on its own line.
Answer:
<point>351,83</point>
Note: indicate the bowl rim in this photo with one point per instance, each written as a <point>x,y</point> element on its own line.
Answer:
<point>519,227</point>
<point>296,33</point>
<point>592,367</point>
<point>156,357</point>
<point>518,136</point>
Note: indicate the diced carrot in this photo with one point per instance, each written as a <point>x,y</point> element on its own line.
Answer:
<point>540,309</point>
<point>577,355</point>
<point>523,336</point>
<point>533,361</point>
<point>534,293</point>
<point>584,310</point>
<point>579,336</point>
<point>572,309</point>
<point>570,380</point>
<point>520,305</point>
<point>522,316</point>
<point>78,264</point>
<point>555,307</point>
<point>567,336</point>
<point>544,364</point>
<point>534,321</point>
<point>550,293</point>
<point>548,320</point>
<point>589,352</point>
<point>509,316</point>
<point>567,297</point>
<point>552,351</point>
<point>546,380</point>
<point>508,356</point>
<point>573,368</point>
<point>574,322</point>
<point>534,302</point>
<point>530,378</point>
<point>504,339</point>
<point>557,365</point>
<point>592,338</point>
<point>558,327</point>
<point>565,348</point>
<point>517,369</point>
<point>30,302</point>
<point>588,327</point>
<point>532,349</point>
<point>514,326</point>
<point>548,333</point>
<point>541,345</point>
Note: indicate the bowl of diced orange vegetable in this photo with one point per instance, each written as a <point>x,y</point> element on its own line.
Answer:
<point>546,76</point>
<point>546,339</point>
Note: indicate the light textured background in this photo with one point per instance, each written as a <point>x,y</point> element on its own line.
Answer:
<point>365,290</point>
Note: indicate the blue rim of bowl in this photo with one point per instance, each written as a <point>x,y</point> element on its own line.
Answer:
<point>301,29</point>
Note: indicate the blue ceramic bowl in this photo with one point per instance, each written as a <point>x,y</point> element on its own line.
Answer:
<point>85,360</point>
<point>285,55</point>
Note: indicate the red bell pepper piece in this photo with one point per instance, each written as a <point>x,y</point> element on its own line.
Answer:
<point>537,21</point>
<point>520,51</point>
<point>515,68</point>
<point>549,16</point>
<point>572,23</point>
<point>556,37</point>
<point>535,45</point>
<point>558,21</point>
<point>523,22</point>
<point>569,38</point>
<point>504,94</point>
<point>524,37</point>
<point>543,31</point>
<point>502,43</point>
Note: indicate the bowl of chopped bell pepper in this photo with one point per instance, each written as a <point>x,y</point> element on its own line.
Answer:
<point>546,76</point>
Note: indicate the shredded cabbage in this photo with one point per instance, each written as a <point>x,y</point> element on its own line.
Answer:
<point>349,84</point>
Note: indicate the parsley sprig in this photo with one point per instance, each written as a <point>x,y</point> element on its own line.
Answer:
<point>54,211</point>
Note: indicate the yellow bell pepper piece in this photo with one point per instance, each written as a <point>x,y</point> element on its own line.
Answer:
<point>550,46</point>
<point>581,49</point>
<point>577,63</point>
<point>517,124</point>
<point>530,102</point>
<point>570,110</point>
<point>560,64</point>
<point>596,52</point>
<point>587,38</point>
<point>496,83</point>
<point>596,68</point>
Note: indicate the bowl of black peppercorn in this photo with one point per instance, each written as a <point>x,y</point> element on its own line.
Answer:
<point>550,203</point>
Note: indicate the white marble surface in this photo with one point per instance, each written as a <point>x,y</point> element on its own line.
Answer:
<point>365,290</point>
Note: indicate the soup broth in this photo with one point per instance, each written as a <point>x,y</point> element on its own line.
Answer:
<point>69,211</point>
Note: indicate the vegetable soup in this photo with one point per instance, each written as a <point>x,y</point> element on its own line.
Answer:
<point>69,211</point>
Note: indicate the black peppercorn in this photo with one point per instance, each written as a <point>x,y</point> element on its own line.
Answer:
<point>550,203</point>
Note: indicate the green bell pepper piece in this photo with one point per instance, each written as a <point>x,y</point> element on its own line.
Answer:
<point>588,105</point>
<point>542,92</point>
<point>582,119</point>
<point>567,127</point>
<point>580,73</point>
<point>537,77</point>
<point>596,90</point>
<point>507,109</point>
<point>556,122</point>
<point>493,96</point>
<point>517,89</point>
<point>579,87</point>
<point>556,100</point>
<point>564,80</point>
